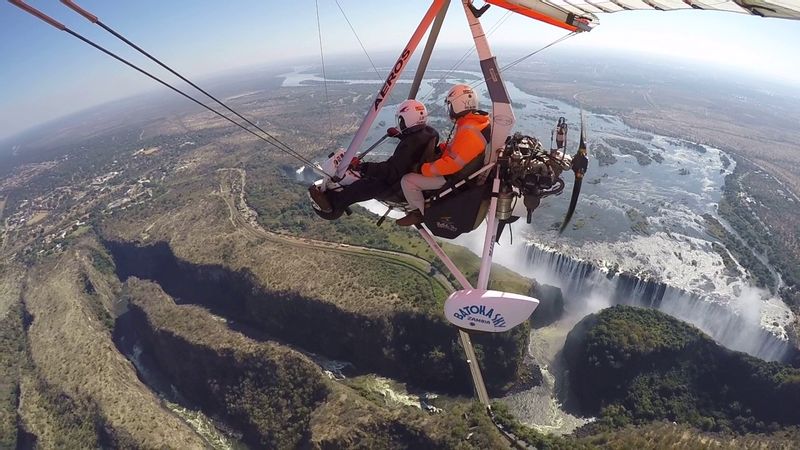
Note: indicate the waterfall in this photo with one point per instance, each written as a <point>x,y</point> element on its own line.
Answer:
<point>588,289</point>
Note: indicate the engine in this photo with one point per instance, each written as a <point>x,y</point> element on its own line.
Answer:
<point>530,172</point>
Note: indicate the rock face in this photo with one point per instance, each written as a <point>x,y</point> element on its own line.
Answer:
<point>74,389</point>
<point>266,390</point>
<point>409,345</point>
<point>581,280</point>
<point>551,305</point>
<point>275,396</point>
<point>633,365</point>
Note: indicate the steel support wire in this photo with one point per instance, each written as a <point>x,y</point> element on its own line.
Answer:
<point>94,19</point>
<point>58,25</point>
<point>324,76</point>
<point>464,57</point>
<point>358,39</point>
<point>519,60</point>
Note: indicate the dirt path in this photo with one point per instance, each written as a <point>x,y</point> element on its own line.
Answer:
<point>241,216</point>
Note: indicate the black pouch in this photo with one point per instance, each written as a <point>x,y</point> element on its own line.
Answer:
<point>458,212</point>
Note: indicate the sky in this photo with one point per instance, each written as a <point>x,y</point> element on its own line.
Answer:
<point>46,73</point>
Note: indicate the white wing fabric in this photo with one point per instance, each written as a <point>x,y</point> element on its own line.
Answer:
<point>579,15</point>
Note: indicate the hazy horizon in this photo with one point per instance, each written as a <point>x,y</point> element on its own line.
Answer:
<point>382,60</point>
<point>50,75</point>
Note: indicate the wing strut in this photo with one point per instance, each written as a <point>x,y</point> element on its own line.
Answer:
<point>502,122</point>
<point>469,351</point>
<point>426,54</point>
<point>388,85</point>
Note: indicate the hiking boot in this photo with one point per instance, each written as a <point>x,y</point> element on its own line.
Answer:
<point>320,199</point>
<point>412,218</point>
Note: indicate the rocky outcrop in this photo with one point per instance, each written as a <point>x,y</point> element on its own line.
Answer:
<point>551,305</point>
<point>406,344</point>
<point>274,396</point>
<point>77,390</point>
<point>264,390</point>
<point>635,365</point>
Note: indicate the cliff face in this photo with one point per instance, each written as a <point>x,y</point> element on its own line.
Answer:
<point>266,391</point>
<point>633,365</point>
<point>69,387</point>
<point>275,396</point>
<point>551,305</point>
<point>406,344</point>
<point>582,280</point>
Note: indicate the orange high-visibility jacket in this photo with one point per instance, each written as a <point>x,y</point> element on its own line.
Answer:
<point>468,143</point>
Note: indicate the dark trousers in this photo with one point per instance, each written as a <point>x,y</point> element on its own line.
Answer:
<point>362,190</point>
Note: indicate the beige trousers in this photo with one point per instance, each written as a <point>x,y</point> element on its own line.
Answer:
<point>414,183</point>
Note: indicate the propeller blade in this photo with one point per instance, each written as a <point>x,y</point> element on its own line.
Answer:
<point>580,163</point>
<point>576,191</point>
<point>582,147</point>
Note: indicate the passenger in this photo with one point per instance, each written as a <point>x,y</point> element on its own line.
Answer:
<point>379,178</point>
<point>462,156</point>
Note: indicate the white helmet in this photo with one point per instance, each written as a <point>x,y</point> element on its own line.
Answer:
<point>410,113</point>
<point>461,99</point>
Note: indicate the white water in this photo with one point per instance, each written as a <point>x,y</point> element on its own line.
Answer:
<point>196,419</point>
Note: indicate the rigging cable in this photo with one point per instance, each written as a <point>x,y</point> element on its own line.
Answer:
<point>29,9</point>
<point>92,18</point>
<point>324,77</point>
<point>359,40</point>
<point>464,57</point>
<point>519,60</point>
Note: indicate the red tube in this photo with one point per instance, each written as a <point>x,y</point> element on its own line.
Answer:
<point>35,12</point>
<point>89,16</point>
<point>534,14</point>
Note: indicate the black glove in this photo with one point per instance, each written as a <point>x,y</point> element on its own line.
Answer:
<point>362,168</point>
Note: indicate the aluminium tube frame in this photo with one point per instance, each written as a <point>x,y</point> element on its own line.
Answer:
<point>433,36</point>
<point>388,85</point>
<point>502,122</point>
<point>466,342</point>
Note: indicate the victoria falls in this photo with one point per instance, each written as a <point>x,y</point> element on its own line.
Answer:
<point>171,276</point>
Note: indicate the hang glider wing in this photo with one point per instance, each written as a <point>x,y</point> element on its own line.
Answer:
<point>579,15</point>
<point>558,13</point>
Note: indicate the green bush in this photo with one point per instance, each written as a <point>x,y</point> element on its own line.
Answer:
<point>633,365</point>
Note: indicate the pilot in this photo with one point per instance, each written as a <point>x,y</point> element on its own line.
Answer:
<point>462,156</point>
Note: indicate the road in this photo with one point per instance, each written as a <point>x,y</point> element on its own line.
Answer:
<point>241,216</point>
<point>474,368</point>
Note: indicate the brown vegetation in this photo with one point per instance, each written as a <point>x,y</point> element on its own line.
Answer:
<point>661,435</point>
<point>75,361</point>
<point>277,396</point>
<point>202,229</point>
